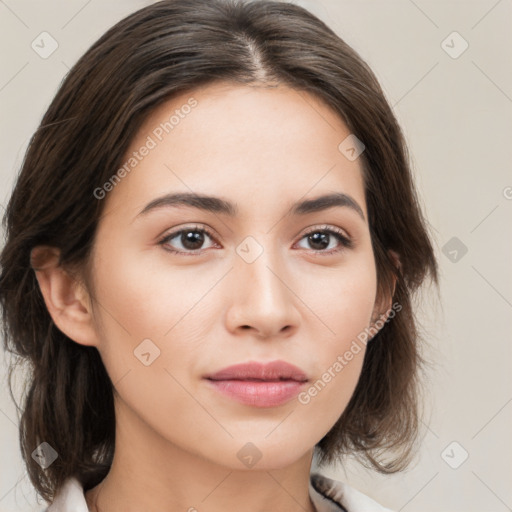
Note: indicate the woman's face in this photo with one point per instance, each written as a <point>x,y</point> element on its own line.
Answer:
<point>263,282</point>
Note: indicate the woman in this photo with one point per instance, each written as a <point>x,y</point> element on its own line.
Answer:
<point>211,252</point>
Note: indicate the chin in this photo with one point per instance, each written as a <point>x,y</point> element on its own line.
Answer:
<point>264,456</point>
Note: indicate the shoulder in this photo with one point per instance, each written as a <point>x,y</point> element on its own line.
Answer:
<point>332,495</point>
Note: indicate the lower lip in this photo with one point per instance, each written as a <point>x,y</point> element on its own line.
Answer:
<point>259,393</point>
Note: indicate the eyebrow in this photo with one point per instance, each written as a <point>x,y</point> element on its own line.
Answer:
<point>218,205</point>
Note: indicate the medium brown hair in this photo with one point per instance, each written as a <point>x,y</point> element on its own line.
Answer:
<point>144,60</point>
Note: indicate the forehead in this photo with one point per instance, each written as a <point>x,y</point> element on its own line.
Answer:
<point>259,145</point>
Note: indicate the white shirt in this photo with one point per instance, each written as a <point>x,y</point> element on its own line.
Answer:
<point>326,494</point>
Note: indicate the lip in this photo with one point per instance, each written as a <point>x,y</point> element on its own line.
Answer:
<point>259,384</point>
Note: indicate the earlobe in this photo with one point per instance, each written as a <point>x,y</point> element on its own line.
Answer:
<point>66,299</point>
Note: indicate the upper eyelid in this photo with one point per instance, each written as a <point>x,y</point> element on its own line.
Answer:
<point>328,227</point>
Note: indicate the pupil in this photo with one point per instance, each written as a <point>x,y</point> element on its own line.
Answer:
<point>319,238</point>
<point>189,238</point>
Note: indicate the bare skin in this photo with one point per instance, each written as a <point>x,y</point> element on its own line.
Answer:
<point>177,439</point>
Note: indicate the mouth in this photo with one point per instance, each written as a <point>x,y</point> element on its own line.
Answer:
<point>259,384</point>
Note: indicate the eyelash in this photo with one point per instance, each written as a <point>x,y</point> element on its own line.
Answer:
<point>345,242</point>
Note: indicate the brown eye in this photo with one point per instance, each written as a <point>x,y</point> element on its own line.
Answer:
<point>320,239</point>
<point>187,239</point>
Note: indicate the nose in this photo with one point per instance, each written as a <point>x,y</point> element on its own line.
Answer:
<point>263,299</point>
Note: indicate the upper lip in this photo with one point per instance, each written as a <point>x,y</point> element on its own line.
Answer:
<point>272,371</point>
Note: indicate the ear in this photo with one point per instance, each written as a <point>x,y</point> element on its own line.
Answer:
<point>66,298</point>
<point>383,305</point>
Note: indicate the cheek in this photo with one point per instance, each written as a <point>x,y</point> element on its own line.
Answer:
<point>140,298</point>
<point>342,298</point>
<point>345,304</point>
<point>143,294</point>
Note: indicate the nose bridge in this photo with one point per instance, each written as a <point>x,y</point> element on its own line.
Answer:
<point>263,299</point>
<point>257,266</point>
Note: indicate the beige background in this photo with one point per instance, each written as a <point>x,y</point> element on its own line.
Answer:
<point>456,113</point>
